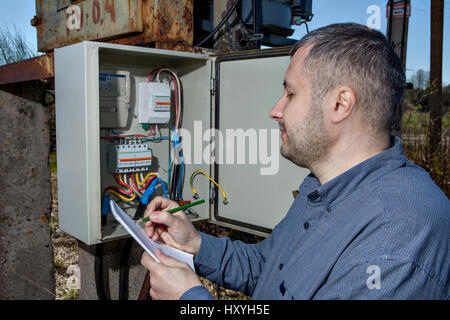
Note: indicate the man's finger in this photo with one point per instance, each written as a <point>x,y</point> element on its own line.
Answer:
<point>148,262</point>
<point>180,214</point>
<point>163,217</point>
<point>149,231</point>
<point>168,261</point>
<point>154,205</point>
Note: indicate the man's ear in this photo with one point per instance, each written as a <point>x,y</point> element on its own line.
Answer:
<point>341,104</point>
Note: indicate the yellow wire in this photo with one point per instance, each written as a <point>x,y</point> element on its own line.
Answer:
<point>122,197</point>
<point>202,172</point>
<point>145,178</point>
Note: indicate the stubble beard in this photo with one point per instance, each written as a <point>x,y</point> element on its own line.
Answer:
<point>307,142</point>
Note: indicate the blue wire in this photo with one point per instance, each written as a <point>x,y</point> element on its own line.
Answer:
<point>151,189</point>
<point>164,187</point>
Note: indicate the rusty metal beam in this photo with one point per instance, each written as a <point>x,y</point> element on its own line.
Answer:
<point>168,24</point>
<point>133,22</point>
<point>57,25</point>
<point>162,24</point>
<point>41,67</point>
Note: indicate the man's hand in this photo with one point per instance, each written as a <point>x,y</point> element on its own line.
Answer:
<point>173,229</point>
<point>170,278</point>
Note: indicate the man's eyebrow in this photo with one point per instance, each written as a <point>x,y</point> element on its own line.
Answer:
<point>286,85</point>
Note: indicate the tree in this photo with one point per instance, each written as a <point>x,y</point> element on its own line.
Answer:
<point>13,46</point>
<point>420,79</point>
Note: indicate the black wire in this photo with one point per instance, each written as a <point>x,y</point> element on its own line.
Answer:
<point>306,25</point>
<point>124,268</point>
<point>98,270</point>
<point>221,23</point>
<point>174,183</point>
<point>256,22</point>
<point>125,257</point>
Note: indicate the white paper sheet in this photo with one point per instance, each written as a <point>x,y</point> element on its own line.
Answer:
<point>146,243</point>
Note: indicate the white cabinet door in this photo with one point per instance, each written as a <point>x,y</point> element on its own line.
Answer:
<point>257,179</point>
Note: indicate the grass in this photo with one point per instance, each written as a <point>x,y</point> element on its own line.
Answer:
<point>52,162</point>
<point>415,136</point>
<point>414,119</point>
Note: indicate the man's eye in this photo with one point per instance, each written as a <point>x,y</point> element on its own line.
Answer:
<point>289,95</point>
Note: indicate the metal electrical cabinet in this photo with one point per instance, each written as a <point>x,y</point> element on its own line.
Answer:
<point>224,92</point>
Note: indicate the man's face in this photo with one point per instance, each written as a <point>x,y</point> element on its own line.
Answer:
<point>300,118</point>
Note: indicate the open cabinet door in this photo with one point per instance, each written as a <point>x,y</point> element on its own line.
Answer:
<point>257,179</point>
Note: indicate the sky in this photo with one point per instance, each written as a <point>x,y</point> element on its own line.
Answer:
<point>20,12</point>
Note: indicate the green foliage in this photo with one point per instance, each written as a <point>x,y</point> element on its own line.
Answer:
<point>415,139</point>
<point>70,294</point>
<point>13,46</point>
<point>416,128</point>
<point>52,161</point>
<point>417,98</point>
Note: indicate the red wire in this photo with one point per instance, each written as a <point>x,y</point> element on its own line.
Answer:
<point>151,74</point>
<point>176,94</point>
<point>118,190</point>
<point>124,184</point>
<point>133,181</point>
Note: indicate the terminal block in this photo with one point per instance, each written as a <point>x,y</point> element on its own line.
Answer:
<point>123,158</point>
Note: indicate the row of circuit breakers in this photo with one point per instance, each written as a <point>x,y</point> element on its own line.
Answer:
<point>154,108</point>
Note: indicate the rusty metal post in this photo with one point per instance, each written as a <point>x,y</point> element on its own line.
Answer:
<point>398,22</point>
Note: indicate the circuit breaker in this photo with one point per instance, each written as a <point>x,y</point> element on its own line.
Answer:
<point>123,158</point>
<point>115,124</point>
<point>154,102</point>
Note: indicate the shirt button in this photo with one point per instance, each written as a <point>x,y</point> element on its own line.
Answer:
<point>281,266</point>
<point>328,209</point>
<point>313,196</point>
<point>282,288</point>
<point>306,225</point>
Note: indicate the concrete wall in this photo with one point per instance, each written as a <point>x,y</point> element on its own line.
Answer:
<point>26,258</point>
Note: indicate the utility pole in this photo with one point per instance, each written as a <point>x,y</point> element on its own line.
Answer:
<point>398,13</point>
<point>435,98</point>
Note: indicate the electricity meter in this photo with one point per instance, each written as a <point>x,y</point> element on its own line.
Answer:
<point>114,95</point>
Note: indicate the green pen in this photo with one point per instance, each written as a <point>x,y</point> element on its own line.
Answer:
<point>176,209</point>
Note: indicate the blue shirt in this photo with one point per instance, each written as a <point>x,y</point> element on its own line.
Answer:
<point>378,231</point>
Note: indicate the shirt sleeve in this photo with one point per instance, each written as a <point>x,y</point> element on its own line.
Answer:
<point>197,293</point>
<point>232,264</point>
<point>382,278</point>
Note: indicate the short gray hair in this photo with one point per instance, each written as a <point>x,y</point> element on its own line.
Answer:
<point>362,58</point>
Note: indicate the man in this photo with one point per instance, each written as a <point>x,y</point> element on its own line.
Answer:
<point>367,223</point>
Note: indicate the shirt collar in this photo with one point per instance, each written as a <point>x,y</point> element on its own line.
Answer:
<point>361,174</point>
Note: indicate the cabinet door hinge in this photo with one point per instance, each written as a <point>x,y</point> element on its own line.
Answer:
<point>213,86</point>
<point>212,194</point>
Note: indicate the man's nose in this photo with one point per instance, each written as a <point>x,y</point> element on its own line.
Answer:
<point>277,111</point>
